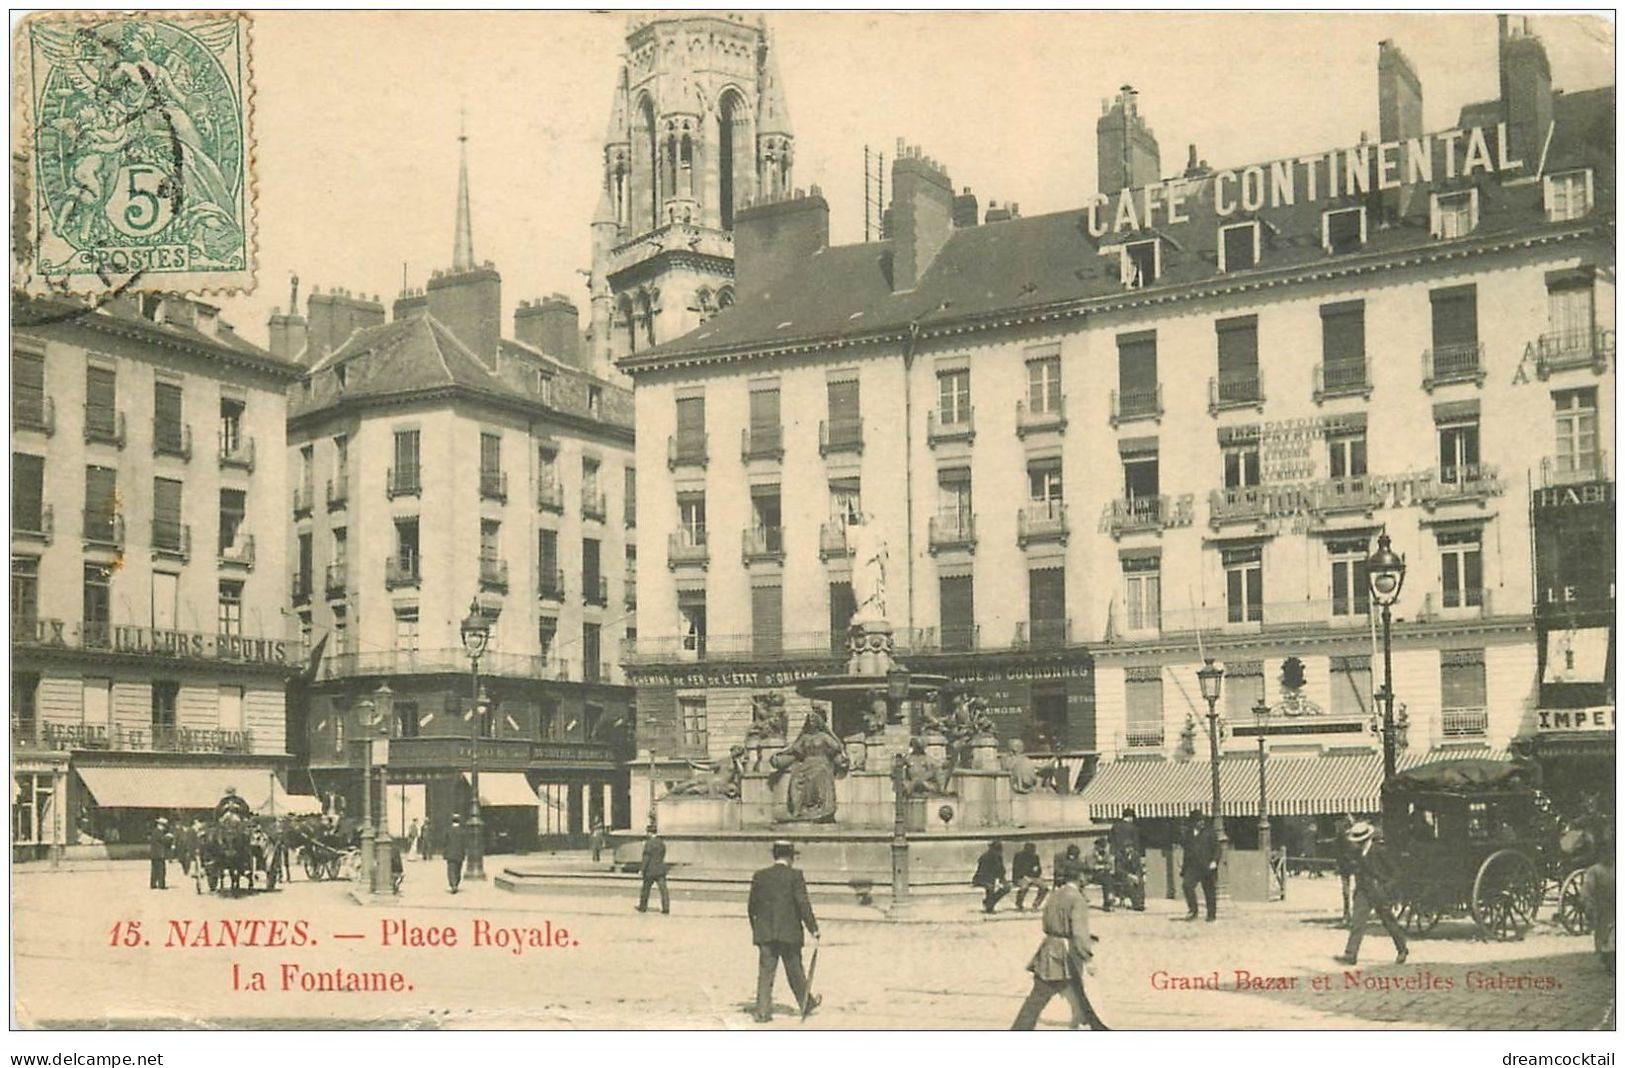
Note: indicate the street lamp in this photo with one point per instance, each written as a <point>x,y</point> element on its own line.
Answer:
<point>897,690</point>
<point>1386,572</point>
<point>476,632</point>
<point>1211,675</point>
<point>383,867</point>
<point>364,711</point>
<point>1261,714</point>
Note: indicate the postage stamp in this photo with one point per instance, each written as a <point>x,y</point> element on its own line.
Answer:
<point>140,142</point>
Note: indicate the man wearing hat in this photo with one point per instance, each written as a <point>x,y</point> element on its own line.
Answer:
<point>159,852</point>
<point>1200,866</point>
<point>1066,953</point>
<point>779,909</point>
<point>1125,839</point>
<point>231,803</point>
<point>653,871</point>
<point>456,849</point>
<point>1373,875</point>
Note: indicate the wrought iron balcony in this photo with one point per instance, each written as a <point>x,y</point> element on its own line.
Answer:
<point>1042,633</point>
<point>593,505</point>
<point>1347,493</point>
<point>1342,378</point>
<point>404,482</point>
<point>103,529</point>
<point>1464,483</point>
<point>958,638</point>
<point>493,574</point>
<point>759,543</point>
<point>842,435</point>
<point>761,443</point>
<point>1241,503</point>
<point>338,492</point>
<point>493,485</point>
<point>550,495</point>
<point>954,426</point>
<point>1131,515</point>
<point>1464,722</point>
<point>171,439</point>
<point>33,413</point>
<point>1033,420</point>
<point>403,570</point>
<point>240,553</point>
<point>595,590</point>
<point>1453,363</point>
<point>686,450</point>
<point>172,539</point>
<point>303,500</point>
<point>952,531</point>
<point>1133,404</point>
<point>1571,469</point>
<point>104,426</point>
<point>24,527</point>
<point>832,540</point>
<point>1235,389</point>
<point>338,580</point>
<point>550,584</point>
<point>236,451</point>
<point>687,545</point>
<point>1041,521</point>
<point>1572,350</point>
<point>1145,737</point>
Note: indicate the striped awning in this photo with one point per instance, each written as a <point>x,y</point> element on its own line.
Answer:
<point>1296,785</point>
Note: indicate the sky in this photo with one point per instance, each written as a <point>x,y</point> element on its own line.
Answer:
<point>357,146</point>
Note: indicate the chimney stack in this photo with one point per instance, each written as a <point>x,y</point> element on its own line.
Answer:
<point>1399,116</point>
<point>965,209</point>
<point>1526,91</point>
<point>921,215</point>
<point>469,304</point>
<point>335,315</point>
<point>1126,153</point>
<point>410,304</point>
<point>772,237</point>
<point>552,325</point>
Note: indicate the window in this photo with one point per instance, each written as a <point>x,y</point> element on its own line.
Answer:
<point>1138,392</point>
<point>24,592</point>
<point>549,724</point>
<point>1044,385</point>
<point>1345,455</point>
<point>1463,707</point>
<point>595,401</point>
<point>27,492</point>
<point>1342,230</point>
<point>1458,450</point>
<point>101,496</point>
<point>1244,583</point>
<point>1241,465</point>
<point>165,694</point>
<point>690,430</point>
<point>1455,330</point>
<point>691,609</point>
<point>691,518</point>
<point>691,712</point>
<point>1044,488</point>
<point>1243,688</point>
<point>629,503</point>
<point>341,629</point>
<point>845,502</point>
<point>1141,263</point>
<point>547,633</point>
<point>1142,477</point>
<point>1455,214</point>
<point>230,701</point>
<point>1342,342</point>
<point>591,572</point>
<point>233,505</point>
<point>845,419</point>
<point>168,434</point>
<point>1238,381</point>
<point>1461,568</point>
<point>28,401</point>
<point>767,620</point>
<point>1568,195</point>
<point>306,564</point>
<point>547,476</point>
<point>407,475</point>
<point>101,404</point>
<point>592,660</point>
<point>341,457</point>
<point>953,397</point>
<point>490,463</point>
<point>341,550</point>
<point>1351,687</point>
<point>406,545</point>
<point>592,501</point>
<point>24,704</point>
<point>1570,314</point>
<point>307,630</point>
<point>166,596</point>
<point>406,630</point>
<point>167,533</point>
<point>490,546</point>
<point>1576,456</point>
<point>1142,593</point>
<point>1046,606</point>
<point>954,501</point>
<point>1142,698</point>
<point>408,723</point>
<point>307,476</point>
<point>766,435</point>
<point>231,426</point>
<point>1238,246</point>
<point>842,606</point>
<point>957,601</point>
<point>767,520</point>
<point>550,579</point>
<point>1351,586</point>
<point>230,620</point>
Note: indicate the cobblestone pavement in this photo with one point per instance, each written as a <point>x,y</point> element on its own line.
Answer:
<point>695,968</point>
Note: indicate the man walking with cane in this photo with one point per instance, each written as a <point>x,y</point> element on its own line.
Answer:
<point>778,910</point>
<point>1066,953</point>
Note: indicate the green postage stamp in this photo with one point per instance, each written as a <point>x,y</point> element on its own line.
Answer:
<point>141,152</point>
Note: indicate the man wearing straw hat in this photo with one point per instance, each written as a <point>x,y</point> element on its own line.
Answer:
<point>1373,875</point>
<point>778,910</point>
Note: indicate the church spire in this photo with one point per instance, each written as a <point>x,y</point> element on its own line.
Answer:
<point>774,113</point>
<point>462,253</point>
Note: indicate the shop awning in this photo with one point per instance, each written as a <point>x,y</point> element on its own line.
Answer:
<point>504,788</point>
<point>184,787</point>
<point>1297,785</point>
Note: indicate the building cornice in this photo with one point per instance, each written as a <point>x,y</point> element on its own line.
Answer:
<point>565,420</point>
<point>1220,644</point>
<point>152,334</point>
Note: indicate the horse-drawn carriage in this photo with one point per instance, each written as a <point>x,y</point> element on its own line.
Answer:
<point>234,851</point>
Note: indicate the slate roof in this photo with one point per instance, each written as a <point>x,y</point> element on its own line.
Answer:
<point>123,317</point>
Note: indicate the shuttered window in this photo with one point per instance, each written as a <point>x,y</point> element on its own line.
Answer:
<point>1342,332</point>
<point>166,415</point>
<point>1461,678</point>
<point>101,402</point>
<point>1238,347</point>
<point>1137,362</point>
<point>1455,316</point>
<point>767,619</point>
<point>842,606</point>
<point>1046,605</point>
<point>547,557</point>
<point>690,420</point>
<point>490,455</point>
<point>958,610</point>
<point>1243,688</point>
<point>843,407</point>
<point>166,513</point>
<point>27,492</point>
<point>1142,700</point>
<point>592,665</point>
<point>406,457</point>
<point>101,490</point>
<point>764,411</point>
<point>1351,686</point>
<point>590,570</point>
<point>27,388</point>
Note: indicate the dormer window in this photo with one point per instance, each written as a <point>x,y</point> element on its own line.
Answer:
<point>343,374</point>
<point>1342,230</point>
<point>542,385</point>
<point>1455,214</point>
<point>1568,195</point>
<point>1239,246</point>
<point>595,402</point>
<point>1139,262</point>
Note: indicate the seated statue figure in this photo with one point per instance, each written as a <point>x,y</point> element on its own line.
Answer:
<point>723,782</point>
<point>767,717</point>
<point>1020,767</point>
<point>968,721</point>
<point>923,774</point>
<point>811,763</point>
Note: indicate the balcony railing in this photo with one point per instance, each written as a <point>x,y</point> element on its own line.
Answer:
<point>1456,604</point>
<point>303,500</point>
<point>404,482</point>
<point>1130,515</point>
<point>240,553</point>
<point>687,545</point>
<point>593,505</point>
<point>172,539</point>
<point>1041,521</point>
<point>402,570</point>
<point>1131,404</point>
<point>1042,633</point>
<point>493,485</point>
<point>1145,737</point>
<point>103,529</point>
<point>338,492</point>
<point>832,540</point>
<point>1031,420</point>
<point>1463,483</point>
<point>761,543</point>
<point>24,527</point>
<point>338,580</point>
<point>1310,613</point>
<point>954,426</point>
<point>550,584</point>
<point>158,738</point>
<point>1573,349</point>
<point>595,590</point>
<point>597,671</point>
<point>1453,363</point>
<point>1464,722</point>
<point>686,450</point>
<point>299,588</point>
<point>104,426</point>
<point>31,413</point>
<point>761,443</point>
<point>171,439</point>
<point>550,495</point>
<point>1239,503</point>
<point>1348,493</point>
<point>1569,470</point>
<point>1342,378</point>
<point>842,435</point>
<point>952,531</point>
<point>493,574</point>
<point>236,451</point>
<point>1235,389</point>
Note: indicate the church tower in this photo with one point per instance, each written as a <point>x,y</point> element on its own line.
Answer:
<point>698,129</point>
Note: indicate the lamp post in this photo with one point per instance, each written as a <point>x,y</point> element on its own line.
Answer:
<point>897,683</point>
<point>1261,713</point>
<point>1211,676</point>
<point>476,633</point>
<point>364,710</point>
<point>383,867</point>
<point>1385,570</point>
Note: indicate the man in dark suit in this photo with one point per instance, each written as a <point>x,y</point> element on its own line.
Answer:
<point>1125,837</point>
<point>1374,877</point>
<point>159,852</point>
<point>990,876</point>
<point>778,911</point>
<point>1201,864</point>
<point>455,850</point>
<point>654,871</point>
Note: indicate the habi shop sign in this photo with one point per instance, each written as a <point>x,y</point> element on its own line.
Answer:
<point>1308,179</point>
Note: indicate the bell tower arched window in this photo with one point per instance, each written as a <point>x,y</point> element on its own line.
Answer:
<point>649,135</point>
<point>730,117</point>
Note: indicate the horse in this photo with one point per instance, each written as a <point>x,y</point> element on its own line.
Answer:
<point>227,852</point>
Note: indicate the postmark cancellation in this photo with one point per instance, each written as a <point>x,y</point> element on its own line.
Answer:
<point>137,155</point>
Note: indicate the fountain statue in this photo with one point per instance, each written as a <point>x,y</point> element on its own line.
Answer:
<point>869,559</point>
<point>924,774</point>
<point>811,764</point>
<point>714,783</point>
<point>1020,767</point>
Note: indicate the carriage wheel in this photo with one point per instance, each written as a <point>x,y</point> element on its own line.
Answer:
<point>1419,917</point>
<point>333,867</point>
<point>1571,907</point>
<point>313,865</point>
<point>1506,894</point>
